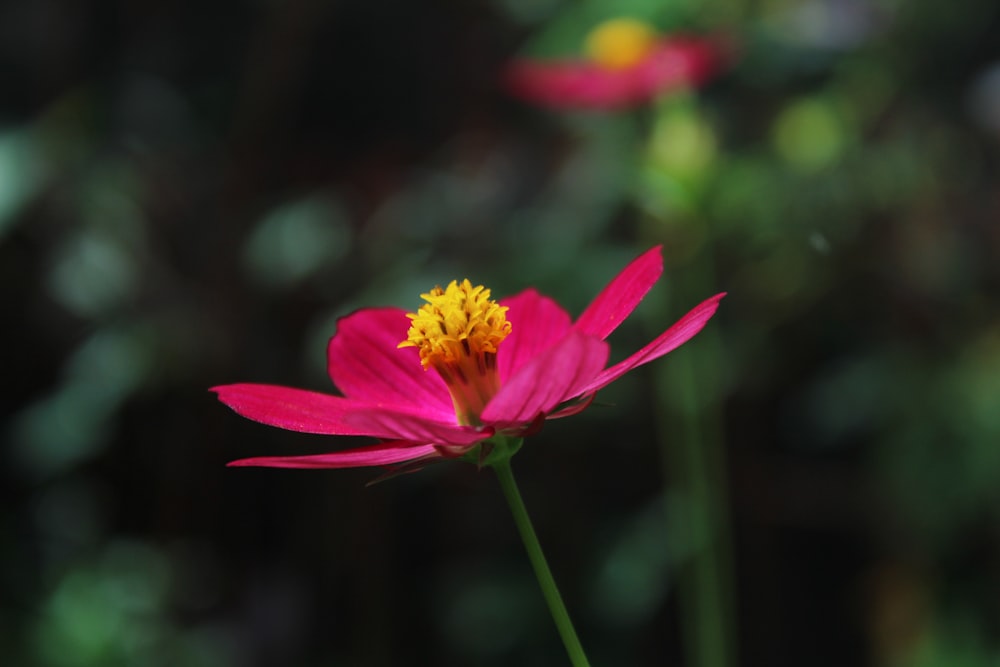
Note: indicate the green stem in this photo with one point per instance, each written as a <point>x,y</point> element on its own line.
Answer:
<point>690,412</point>
<point>541,567</point>
<point>698,460</point>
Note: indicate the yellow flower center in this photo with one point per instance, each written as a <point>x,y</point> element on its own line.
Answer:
<point>457,332</point>
<point>620,43</point>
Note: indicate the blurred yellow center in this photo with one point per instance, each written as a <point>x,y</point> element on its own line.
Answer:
<point>457,333</point>
<point>620,43</point>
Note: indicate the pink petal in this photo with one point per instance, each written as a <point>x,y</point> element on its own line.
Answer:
<point>573,407</point>
<point>570,84</point>
<point>383,453</point>
<point>557,374</point>
<point>312,412</point>
<point>677,62</point>
<point>536,322</point>
<point>622,295</point>
<point>363,360</point>
<point>682,331</point>
<point>415,427</point>
<point>291,409</point>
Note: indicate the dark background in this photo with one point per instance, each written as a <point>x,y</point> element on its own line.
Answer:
<point>190,195</point>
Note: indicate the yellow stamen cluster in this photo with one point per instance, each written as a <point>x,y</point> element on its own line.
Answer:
<point>620,43</point>
<point>457,332</point>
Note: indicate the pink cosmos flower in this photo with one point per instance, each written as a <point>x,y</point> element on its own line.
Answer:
<point>628,64</point>
<point>463,369</point>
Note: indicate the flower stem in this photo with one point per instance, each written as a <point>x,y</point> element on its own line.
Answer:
<point>696,454</point>
<point>689,410</point>
<point>541,567</point>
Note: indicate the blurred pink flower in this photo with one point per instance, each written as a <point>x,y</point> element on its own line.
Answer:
<point>627,64</point>
<point>501,369</point>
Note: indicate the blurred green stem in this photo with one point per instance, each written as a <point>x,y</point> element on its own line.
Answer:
<point>541,567</point>
<point>687,401</point>
<point>695,457</point>
<point>693,448</point>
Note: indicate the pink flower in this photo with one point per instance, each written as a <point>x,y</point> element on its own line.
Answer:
<point>627,65</point>
<point>460,371</point>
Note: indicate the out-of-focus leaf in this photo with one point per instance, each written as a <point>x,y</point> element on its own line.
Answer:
<point>22,172</point>
<point>297,239</point>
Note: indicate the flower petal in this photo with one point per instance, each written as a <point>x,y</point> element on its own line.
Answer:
<point>537,322</point>
<point>558,373</point>
<point>622,295</point>
<point>682,331</point>
<point>364,362</point>
<point>383,453</point>
<point>291,409</point>
<point>415,427</point>
<point>677,62</point>
<point>569,84</point>
<point>312,412</point>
